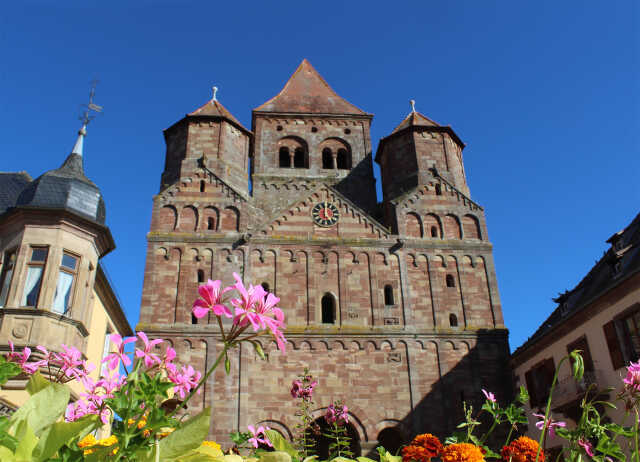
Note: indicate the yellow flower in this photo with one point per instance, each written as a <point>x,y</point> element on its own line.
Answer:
<point>141,424</point>
<point>88,440</point>
<point>211,444</point>
<point>461,452</point>
<point>110,441</point>
<point>165,433</point>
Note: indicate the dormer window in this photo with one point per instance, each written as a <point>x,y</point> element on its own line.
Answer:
<point>64,289</point>
<point>35,270</point>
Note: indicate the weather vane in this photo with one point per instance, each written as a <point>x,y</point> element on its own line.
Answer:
<point>86,117</point>
<point>413,105</point>
<point>215,91</point>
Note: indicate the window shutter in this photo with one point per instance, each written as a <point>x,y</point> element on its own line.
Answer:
<point>613,343</point>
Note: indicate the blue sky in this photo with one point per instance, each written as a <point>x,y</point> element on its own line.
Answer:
<point>544,93</point>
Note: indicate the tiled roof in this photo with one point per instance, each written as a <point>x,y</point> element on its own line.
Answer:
<point>621,260</point>
<point>215,109</point>
<point>11,185</point>
<point>306,92</point>
<point>415,119</point>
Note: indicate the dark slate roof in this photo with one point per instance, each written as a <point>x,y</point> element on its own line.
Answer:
<point>65,188</point>
<point>619,262</point>
<point>11,185</point>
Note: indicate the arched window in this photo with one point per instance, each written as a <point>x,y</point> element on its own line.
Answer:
<point>201,185</point>
<point>343,159</point>
<point>328,309</point>
<point>453,320</point>
<point>451,282</point>
<point>194,320</point>
<point>211,223</point>
<point>391,439</point>
<point>285,160</point>
<point>434,231</point>
<point>265,286</point>
<point>388,295</point>
<point>200,276</point>
<point>438,189</point>
<point>300,159</point>
<point>327,159</point>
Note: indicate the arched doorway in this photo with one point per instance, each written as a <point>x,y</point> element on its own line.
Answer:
<point>391,439</point>
<point>321,442</point>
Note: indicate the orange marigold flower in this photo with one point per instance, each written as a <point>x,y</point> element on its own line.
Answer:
<point>88,440</point>
<point>415,453</point>
<point>428,441</point>
<point>524,449</point>
<point>461,452</point>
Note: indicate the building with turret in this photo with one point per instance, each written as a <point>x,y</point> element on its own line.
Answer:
<point>393,306</point>
<point>53,289</point>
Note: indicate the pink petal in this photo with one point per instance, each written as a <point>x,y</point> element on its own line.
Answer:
<point>199,312</point>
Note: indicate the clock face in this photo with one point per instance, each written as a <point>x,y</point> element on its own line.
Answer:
<point>325,214</point>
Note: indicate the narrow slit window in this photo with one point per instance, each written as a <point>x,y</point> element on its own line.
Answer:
<point>35,270</point>
<point>299,159</point>
<point>434,231</point>
<point>453,320</point>
<point>451,282</point>
<point>438,190</point>
<point>328,309</point>
<point>388,295</point>
<point>343,159</point>
<point>200,276</point>
<point>265,286</point>
<point>211,224</point>
<point>202,185</point>
<point>194,320</point>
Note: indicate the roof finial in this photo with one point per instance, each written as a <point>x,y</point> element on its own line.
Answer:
<point>215,90</point>
<point>85,118</point>
<point>413,105</point>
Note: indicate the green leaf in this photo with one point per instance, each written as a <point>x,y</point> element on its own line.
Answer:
<point>61,433</point>
<point>188,437</point>
<point>6,455</point>
<point>8,370</point>
<point>27,440</point>
<point>577,364</point>
<point>275,456</point>
<point>42,409</point>
<point>37,383</point>
<point>364,459</point>
<point>523,395</point>
<point>280,444</point>
<point>227,365</point>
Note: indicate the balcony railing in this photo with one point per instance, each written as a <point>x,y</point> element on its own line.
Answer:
<point>568,389</point>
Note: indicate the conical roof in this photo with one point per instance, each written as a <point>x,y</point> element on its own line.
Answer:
<point>307,92</point>
<point>213,108</point>
<point>415,119</point>
<point>66,187</point>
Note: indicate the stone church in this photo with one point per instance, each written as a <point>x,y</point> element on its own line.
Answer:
<point>393,306</point>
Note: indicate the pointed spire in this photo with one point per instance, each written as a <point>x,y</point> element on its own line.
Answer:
<point>77,148</point>
<point>307,92</point>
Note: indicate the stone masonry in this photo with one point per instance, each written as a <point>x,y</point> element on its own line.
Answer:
<point>394,308</point>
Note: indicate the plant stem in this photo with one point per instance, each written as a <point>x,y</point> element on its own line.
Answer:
<point>635,431</point>
<point>222,354</point>
<point>548,408</point>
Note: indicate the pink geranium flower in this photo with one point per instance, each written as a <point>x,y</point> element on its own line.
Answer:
<point>337,413</point>
<point>211,300</point>
<point>258,436</point>
<point>587,446</point>
<point>490,396</point>
<point>114,358</point>
<point>150,359</point>
<point>632,380</point>
<point>549,425</point>
<point>184,380</point>
<point>258,308</point>
<point>22,358</point>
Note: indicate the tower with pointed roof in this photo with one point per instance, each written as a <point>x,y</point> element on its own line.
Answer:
<point>393,305</point>
<point>53,289</point>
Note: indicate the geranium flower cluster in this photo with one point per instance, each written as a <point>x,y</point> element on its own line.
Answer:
<point>258,436</point>
<point>632,380</point>
<point>303,388</point>
<point>69,364</point>
<point>422,448</point>
<point>253,307</point>
<point>337,413</point>
<point>523,449</point>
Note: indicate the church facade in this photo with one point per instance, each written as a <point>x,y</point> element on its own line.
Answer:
<point>393,306</point>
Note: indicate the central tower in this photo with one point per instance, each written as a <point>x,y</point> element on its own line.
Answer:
<point>308,134</point>
<point>393,306</point>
